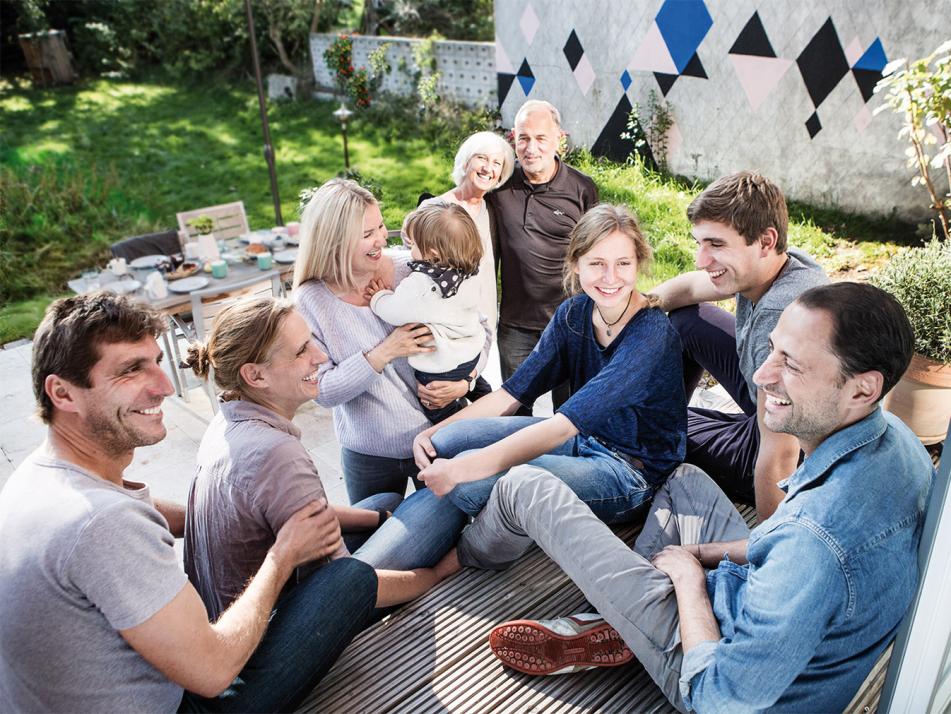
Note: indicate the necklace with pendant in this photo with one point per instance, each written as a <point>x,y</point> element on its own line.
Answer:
<point>609,325</point>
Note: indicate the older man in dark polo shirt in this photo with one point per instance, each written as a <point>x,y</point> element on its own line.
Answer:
<point>534,213</point>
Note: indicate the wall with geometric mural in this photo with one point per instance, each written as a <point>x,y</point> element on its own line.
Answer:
<point>781,87</point>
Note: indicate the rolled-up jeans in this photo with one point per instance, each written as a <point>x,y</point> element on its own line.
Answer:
<point>609,484</point>
<point>531,505</point>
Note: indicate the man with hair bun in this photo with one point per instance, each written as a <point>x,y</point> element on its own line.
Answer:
<point>740,224</point>
<point>534,213</point>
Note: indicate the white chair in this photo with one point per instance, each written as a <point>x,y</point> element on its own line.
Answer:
<point>208,303</point>
<point>230,220</point>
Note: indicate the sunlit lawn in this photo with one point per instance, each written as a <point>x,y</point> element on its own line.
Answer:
<point>82,167</point>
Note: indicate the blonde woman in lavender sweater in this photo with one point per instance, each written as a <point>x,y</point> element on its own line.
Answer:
<point>367,381</point>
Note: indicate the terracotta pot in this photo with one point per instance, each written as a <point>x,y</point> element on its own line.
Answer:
<point>922,399</point>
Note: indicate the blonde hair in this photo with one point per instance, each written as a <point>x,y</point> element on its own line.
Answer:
<point>597,223</point>
<point>331,225</point>
<point>483,142</point>
<point>445,235</point>
<point>243,333</point>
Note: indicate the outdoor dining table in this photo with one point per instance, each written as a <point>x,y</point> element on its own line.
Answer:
<point>241,275</point>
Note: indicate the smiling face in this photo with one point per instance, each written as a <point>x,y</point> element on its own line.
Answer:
<point>369,249</point>
<point>484,171</point>
<point>536,142</point>
<point>608,272</point>
<point>806,393</point>
<point>290,374</point>
<point>122,409</point>
<point>732,265</point>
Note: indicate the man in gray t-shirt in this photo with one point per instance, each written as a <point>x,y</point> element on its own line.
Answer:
<point>739,223</point>
<point>95,612</point>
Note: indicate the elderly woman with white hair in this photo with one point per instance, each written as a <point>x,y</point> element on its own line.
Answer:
<point>483,162</point>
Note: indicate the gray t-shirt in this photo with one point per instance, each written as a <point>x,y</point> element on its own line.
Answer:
<point>253,474</point>
<point>755,322</point>
<point>81,559</point>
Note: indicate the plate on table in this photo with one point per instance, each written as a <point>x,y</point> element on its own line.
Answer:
<point>265,238</point>
<point>187,285</point>
<point>285,256</point>
<point>123,287</point>
<point>186,269</point>
<point>149,261</point>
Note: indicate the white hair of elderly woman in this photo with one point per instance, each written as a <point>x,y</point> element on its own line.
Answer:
<point>483,142</point>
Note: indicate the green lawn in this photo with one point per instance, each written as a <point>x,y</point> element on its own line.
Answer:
<point>81,167</point>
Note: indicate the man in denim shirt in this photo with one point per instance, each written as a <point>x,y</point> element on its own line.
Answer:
<point>792,615</point>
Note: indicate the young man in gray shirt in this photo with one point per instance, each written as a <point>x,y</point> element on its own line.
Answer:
<point>96,613</point>
<point>740,223</point>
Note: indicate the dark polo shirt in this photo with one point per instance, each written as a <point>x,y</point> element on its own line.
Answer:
<point>532,223</point>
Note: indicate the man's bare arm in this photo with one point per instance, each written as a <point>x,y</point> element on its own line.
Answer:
<point>174,513</point>
<point>687,289</point>
<point>710,554</point>
<point>205,658</point>
<point>778,457</point>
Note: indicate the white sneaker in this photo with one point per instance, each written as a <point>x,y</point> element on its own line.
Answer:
<point>568,644</point>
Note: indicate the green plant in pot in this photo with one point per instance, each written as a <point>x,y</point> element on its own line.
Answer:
<point>920,279</point>
<point>203,225</point>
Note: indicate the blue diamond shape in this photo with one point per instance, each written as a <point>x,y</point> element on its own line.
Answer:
<point>526,77</point>
<point>683,24</point>
<point>874,58</point>
<point>626,80</point>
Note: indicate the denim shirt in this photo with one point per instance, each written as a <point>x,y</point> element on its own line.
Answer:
<point>829,578</point>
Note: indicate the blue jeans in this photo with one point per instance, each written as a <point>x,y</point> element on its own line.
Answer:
<point>614,489</point>
<point>310,626</point>
<point>462,371</point>
<point>367,475</point>
<point>421,531</point>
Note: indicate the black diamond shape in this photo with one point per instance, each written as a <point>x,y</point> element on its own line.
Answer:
<point>753,40</point>
<point>822,63</point>
<point>573,50</point>
<point>813,126</point>
<point>866,79</point>
<point>666,81</point>
<point>694,68</point>
<point>505,84</point>
<point>609,142</point>
<point>525,70</point>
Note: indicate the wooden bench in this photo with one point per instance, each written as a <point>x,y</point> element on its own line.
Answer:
<point>433,654</point>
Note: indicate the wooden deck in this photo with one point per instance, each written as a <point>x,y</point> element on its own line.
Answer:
<point>432,655</point>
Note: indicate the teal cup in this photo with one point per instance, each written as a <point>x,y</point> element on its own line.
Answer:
<point>219,269</point>
<point>265,261</point>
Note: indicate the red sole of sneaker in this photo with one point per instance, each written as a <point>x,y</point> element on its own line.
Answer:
<point>528,647</point>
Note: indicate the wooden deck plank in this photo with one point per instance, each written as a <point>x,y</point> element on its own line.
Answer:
<point>432,655</point>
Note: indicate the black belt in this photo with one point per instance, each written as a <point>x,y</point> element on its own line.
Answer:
<point>626,458</point>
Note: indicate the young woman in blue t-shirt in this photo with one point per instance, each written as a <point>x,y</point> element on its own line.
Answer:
<point>622,431</point>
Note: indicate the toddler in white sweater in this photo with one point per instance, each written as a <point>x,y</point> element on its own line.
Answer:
<point>439,293</point>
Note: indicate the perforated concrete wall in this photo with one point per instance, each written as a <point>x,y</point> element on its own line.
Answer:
<point>782,87</point>
<point>467,69</point>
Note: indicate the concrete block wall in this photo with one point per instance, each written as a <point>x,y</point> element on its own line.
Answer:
<point>781,87</point>
<point>467,69</point>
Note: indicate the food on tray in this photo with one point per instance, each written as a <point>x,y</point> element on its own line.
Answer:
<point>256,248</point>
<point>184,270</point>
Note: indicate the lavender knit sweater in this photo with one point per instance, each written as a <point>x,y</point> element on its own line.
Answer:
<point>374,414</point>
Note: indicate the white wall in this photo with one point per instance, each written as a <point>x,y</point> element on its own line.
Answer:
<point>750,111</point>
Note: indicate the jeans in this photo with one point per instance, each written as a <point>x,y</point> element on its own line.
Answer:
<point>530,505</point>
<point>723,445</point>
<point>463,371</point>
<point>367,475</point>
<point>310,627</point>
<point>354,540</point>
<point>422,529</point>
<point>609,485</point>
<point>515,345</point>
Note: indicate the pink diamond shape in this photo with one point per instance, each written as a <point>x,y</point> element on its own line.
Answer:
<point>584,73</point>
<point>529,23</point>
<point>863,118</point>
<point>502,61</point>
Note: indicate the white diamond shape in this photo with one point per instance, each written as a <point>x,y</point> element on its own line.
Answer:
<point>529,23</point>
<point>584,73</point>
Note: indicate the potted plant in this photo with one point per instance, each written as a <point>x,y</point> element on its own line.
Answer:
<point>203,225</point>
<point>207,247</point>
<point>920,278</point>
